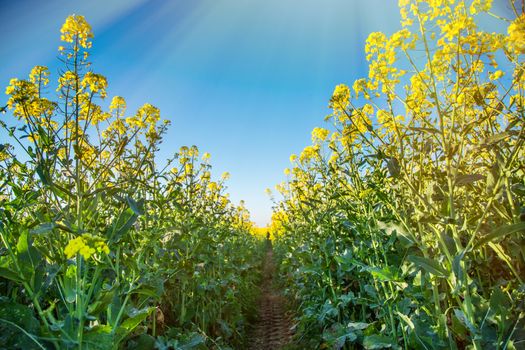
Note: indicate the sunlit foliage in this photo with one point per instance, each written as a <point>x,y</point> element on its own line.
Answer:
<point>102,248</point>
<point>404,226</point>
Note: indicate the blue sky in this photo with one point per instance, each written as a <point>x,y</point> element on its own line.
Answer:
<point>246,80</point>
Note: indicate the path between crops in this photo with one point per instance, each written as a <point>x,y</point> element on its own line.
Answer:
<point>272,330</point>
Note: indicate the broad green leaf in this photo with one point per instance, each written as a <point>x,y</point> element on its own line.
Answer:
<point>384,274</point>
<point>43,174</point>
<point>122,225</point>
<point>137,207</point>
<point>353,326</point>
<point>429,265</point>
<point>140,315</point>
<point>142,342</point>
<point>499,301</point>
<point>19,329</point>
<point>69,286</point>
<point>406,319</point>
<point>148,291</point>
<point>460,315</point>
<point>391,227</point>
<point>28,256</point>
<point>458,271</point>
<point>500,232</point>
<point>113,309</point>
<point>23,243</point>
<point>99,338</point>
<point>393,167</point>
<point>496,138</point>
<point>10,275</point>
<point>426,130</point>
<point>462,180</point>
<point>376,341</point>
<point>195,341</point>
<point>43,228</point>
<point>518,189</point>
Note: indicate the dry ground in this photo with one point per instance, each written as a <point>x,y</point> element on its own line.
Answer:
<point>272,330</point>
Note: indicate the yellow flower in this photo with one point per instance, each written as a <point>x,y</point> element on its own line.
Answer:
<point>309,152</point>
<point>385,119</point>
<point>39,75</point>
<point>496,75</point>
<point>76,28</point>
<point>340,98</point>
<point>97,83</point>
<point>516,38</point>
<point>67,80</point>
<point>118,106</point>
<point>23,100</point>
<point>319,135</point>
<point>149,113</point>
<point>213,186</point>
<point>4,152</point>
<point>85,245</point>
<point>118,126</point>
<point>478,6</point>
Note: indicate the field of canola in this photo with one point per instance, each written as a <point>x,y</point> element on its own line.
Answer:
<point>401,227</point>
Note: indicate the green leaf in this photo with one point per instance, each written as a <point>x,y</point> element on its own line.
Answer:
<point>43,174</point>
<point>10,275</point>
<point>137,207</point>
<point>28,256</point>
<point>19,328</point>
<point>429,265</point>
<point>458,271</point>
<point>390,228</point>
<point>195,341</point>
<point>384,274</point>
<point>122,225</point>
<point>425,130</point>
<point>462,180</point>
<point>393,167</point>
<point>43,228</point>
<point>406,319</point>
<point>148,291</point>
<point>496,138</point>
<point>460,315</point>
<point>137,317</point>
<point>113,309</point>
<point>69,286</point>
<point>354,326</point>
<point>141,342</point>
<point>23,243</point>
<point>378,342</point>
<point>519,189</point>
<point>499,301</point>
<point>501,231</point>
<point>99,338</point>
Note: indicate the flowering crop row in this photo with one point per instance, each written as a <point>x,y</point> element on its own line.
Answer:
<point>100,247</point>
<point>404,225</point>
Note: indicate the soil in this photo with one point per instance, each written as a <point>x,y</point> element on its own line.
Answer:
<point>272,331</point>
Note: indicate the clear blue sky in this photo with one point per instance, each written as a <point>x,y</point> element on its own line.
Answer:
<point>246,80</point>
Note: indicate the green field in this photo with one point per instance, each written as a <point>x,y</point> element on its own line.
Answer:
<point>402,225</point>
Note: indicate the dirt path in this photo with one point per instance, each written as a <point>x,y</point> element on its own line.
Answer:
<point>272,331</point>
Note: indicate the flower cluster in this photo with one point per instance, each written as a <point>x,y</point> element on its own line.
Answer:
<point>86,245</point>
<point>516,33</point>
<point>97,83</point>
<point>319,135</point>
<point>76,28</point>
